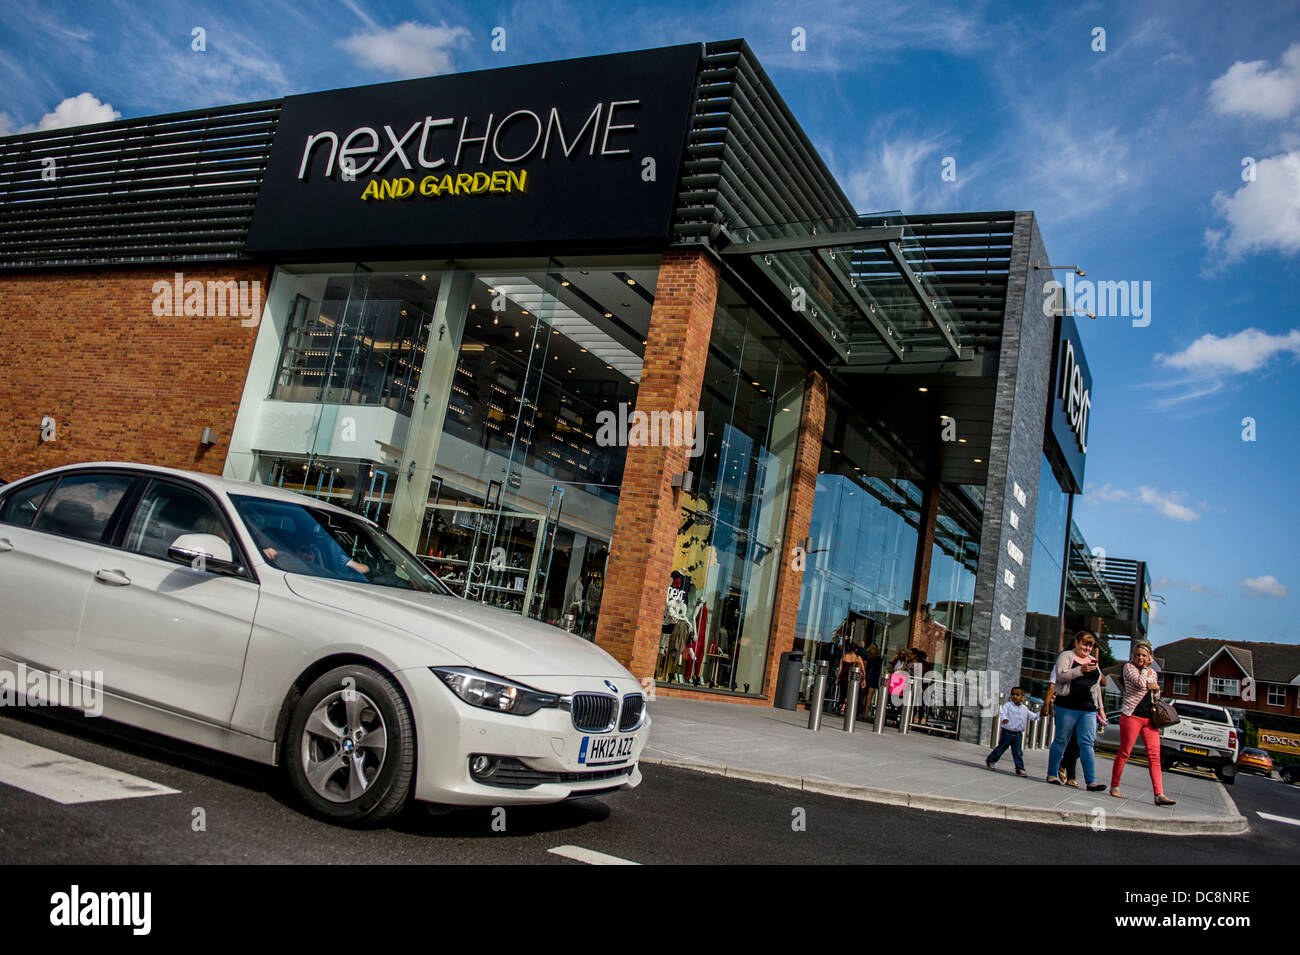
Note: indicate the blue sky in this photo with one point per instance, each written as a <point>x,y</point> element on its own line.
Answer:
<point>1132,157</point>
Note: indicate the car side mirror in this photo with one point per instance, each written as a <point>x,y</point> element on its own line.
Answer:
<point>204,552</point>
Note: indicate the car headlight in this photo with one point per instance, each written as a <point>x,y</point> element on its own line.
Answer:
<point>493,692</point>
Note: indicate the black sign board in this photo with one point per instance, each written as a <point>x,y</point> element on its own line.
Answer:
<point>1069,410</point>
<point>572,154</point>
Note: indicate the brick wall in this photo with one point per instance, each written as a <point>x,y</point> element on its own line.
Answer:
<point>86,349</point>
<point>649,510</point>
<point>803,490</point>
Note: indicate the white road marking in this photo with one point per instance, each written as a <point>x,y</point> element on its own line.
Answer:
<point>1272,818</point>
<point>66,779</point>
<point>589,856</point>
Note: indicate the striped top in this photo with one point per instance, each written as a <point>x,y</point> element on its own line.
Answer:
<point>1135,686</point>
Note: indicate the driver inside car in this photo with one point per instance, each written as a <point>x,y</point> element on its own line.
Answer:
<point>286,549</point>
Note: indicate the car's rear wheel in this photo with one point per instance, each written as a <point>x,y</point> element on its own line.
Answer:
<point>1225,777</point>
<point>350,747</point>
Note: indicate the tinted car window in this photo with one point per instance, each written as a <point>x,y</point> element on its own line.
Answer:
<point>320,543</point>
<point>165,513</point>
<point>21,506</point>
<point>1207,713</point>
<point>82,505</point>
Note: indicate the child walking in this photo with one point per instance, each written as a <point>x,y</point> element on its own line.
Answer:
<point>1014,717</point>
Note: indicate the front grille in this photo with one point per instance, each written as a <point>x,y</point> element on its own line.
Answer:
<point>633,708</point>
<point>594,712</point>
<point>512,774</point>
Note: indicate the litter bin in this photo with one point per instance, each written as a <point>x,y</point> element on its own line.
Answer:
<point>788,677</point>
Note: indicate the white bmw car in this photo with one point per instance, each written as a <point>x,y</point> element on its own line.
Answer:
<point>272,626</point>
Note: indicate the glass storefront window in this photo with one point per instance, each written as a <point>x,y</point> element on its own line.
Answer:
<point>858,578</point>
<point>1046,578</point>
<point>728,554</point>
<point>947,616</point>
<point>458,407</point>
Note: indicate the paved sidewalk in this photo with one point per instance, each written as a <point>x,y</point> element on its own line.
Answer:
<point>770,745</point>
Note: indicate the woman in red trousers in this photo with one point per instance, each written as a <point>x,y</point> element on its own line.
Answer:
<point>1139,683</point>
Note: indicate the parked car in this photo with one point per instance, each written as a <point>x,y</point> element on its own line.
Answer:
<point>266,624</point>
<point>1255,761</point>
<point>1205,736</point>
<point>1290,773</point>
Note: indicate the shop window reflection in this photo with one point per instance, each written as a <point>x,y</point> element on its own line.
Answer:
<point>719,597</point>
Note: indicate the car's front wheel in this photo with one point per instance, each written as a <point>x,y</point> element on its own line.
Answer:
<point>350,747</point>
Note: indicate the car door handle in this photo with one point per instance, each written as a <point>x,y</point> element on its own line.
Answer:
<point>5,545</point>
<point>113,577</point>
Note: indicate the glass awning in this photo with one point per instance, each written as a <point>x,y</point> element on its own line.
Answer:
<point>862,284</point>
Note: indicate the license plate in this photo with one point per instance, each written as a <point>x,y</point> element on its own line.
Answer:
<point>605,750</point>
<point>1195,752</point>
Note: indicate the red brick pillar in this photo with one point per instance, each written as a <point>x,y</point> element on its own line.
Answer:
<point>916,637</point>
<point>649,507</point>
<point>803,489</point>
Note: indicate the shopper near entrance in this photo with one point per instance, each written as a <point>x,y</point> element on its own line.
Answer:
<point>1140,684</point>
<point>1069,770</point>
<point>1077,678</point>
<point>850,660</point>
<point>872,681</point>
<point>1013,718</point>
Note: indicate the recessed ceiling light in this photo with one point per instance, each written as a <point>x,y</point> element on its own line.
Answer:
<point>961,440</point>
<point>423,276</point>
<point>631,281</point>
<point>922,389</point>
<point>565,283</point>
<point>609,314</point>
<point>979,460</point>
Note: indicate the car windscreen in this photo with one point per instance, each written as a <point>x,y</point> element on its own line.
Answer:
<point>1207,713</point>
<point>299,539</point>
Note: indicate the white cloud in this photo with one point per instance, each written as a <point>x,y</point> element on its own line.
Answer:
<point>1169,583</point>
<point>7,125</point>
<point>895,174</point>
<point>1170,504</point>
<point>1107,493</point>
<point>1266,586</point>
<point>408,49</point>
<point>1252,89</point>
<point>80,110</point>
<point>1242,352</point>
<point>1262,215</point>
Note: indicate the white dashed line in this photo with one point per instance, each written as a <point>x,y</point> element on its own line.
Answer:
<point>66,779</point>
<point>589,856</point>
<point>1272,818</point>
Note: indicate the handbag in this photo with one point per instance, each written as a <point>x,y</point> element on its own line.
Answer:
<point>1162,712</point>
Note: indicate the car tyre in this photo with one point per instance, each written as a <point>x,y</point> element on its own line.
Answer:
<point>349,749</point>
<point>1225,777</point>
<point>1167,763</point>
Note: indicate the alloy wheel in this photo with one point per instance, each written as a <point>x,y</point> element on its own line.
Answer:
<point>344,743</point>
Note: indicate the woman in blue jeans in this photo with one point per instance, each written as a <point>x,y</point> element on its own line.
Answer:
<point>1076,708</point>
